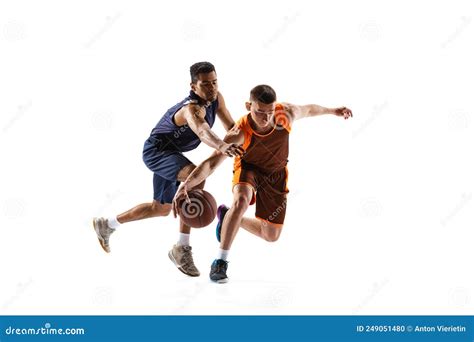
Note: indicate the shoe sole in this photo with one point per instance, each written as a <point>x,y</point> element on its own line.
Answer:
<point>101,240</point>
<point>220,281</point>
<point>173,260</point>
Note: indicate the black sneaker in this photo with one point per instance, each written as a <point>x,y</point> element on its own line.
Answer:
<point>221,211</point>
<point>218,271</point>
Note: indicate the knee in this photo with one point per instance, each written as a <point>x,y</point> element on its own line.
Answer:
<point>159,209</point>
<point>241,203</point>
<point>271,238</point>
<point>272,234</point>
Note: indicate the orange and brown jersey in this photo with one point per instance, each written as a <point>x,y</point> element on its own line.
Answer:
<point>263,166</point>
<point>269,152</point>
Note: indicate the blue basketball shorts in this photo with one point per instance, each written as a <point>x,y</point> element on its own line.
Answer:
<point>165,166</point>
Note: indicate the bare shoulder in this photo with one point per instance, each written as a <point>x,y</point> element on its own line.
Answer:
<point>290,109</point>
<point>220,97</point>
<point>194,109</point>
<point>187,112</point>
<point>221,102</point>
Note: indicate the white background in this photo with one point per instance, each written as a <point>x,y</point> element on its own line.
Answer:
<point>380,211</point>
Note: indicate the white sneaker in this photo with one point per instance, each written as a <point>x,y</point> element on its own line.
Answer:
<point>103,231</point>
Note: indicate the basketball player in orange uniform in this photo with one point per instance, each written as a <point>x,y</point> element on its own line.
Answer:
<point>260,175</point>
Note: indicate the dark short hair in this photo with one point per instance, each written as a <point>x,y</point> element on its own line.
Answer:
<point>200,68</point>
<point>263,93</point>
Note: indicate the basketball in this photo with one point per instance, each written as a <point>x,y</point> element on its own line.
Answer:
<point>201,211</point>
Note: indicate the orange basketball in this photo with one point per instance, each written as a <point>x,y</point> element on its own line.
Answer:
<point>201,211</point>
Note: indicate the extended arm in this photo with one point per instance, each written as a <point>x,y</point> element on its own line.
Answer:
<point>298,112</point>
<point>194,115</point>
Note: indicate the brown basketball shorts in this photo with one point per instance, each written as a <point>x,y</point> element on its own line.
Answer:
<point>269,192</point>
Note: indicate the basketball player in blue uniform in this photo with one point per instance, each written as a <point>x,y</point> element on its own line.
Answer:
<point>183,127</point>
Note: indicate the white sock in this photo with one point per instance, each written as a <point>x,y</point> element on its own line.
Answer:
<point>223,253</point>
<point>183,239</point>
<point>113,222</point>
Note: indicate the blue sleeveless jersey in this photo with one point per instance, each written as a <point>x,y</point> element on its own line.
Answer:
<point>171,137</point>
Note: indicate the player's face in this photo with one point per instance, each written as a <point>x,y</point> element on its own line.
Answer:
<point>262,113</point>
<point>206,86</point>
